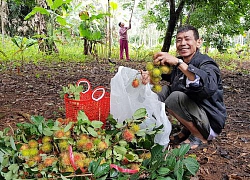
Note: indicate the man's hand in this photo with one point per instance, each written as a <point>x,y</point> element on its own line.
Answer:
<point>145,78</point>
<point>164,58</point>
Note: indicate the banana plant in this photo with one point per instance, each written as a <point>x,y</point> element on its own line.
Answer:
<point>56,12</point>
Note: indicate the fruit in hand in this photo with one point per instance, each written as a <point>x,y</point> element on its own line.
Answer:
<point>155,71</point>
<point>165,69</point>
<point>135,83</point>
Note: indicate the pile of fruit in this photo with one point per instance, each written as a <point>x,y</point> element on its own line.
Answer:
<point>64,148</point>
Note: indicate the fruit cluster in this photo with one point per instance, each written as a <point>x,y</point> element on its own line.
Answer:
<point>155,72</point>
<point>72,146</point>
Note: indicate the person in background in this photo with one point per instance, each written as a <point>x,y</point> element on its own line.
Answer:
<point>124,39</point>
<point>194,95</point>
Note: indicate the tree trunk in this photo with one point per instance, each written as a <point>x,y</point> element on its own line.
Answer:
<point>174,17</point>
<point>109,30</point>
<point>45,45</point>
<point>3,15</point>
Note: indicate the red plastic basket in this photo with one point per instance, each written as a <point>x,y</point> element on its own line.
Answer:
<point>95,104</point>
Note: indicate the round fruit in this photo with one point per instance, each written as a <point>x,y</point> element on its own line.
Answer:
<point>165,69</point>
<point>149,66</point>
<point>156,72</point>
<point>157,88</point>
<point>135,83</point>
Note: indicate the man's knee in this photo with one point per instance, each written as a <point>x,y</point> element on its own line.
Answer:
<point>175,99</point>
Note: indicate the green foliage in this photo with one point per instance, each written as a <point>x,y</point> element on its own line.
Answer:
<point>35,150</point>
<point>73,91</point>
<point>172,164</point>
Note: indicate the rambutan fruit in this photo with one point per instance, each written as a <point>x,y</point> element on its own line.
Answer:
<point>33,143</point>
<point>89,146</point>
<point>33,151</point>
<point>26,152</point>
<point>145,155</point>
<point>79,164</point>
<point>134,166</point>
<point>59,134</point>
<point>63,145</point>
<point>124,161</point>
<point>46,147</point>
<point>80,144</point>
<point>69,169</point>
<point>46,139</point>
<point>37,158</point>
<point>49,161</point>
<point>128,135</point>
<point>96,141</point>
<point>84,137</point>
<point>102,146</point>
<point>31,163</point>
<point>68,134</point>
<point>65,159</point>
<point>24,146</point>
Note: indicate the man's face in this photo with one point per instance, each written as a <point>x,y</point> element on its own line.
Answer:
<point>186,44</point>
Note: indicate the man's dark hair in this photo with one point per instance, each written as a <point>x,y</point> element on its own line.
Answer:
<point>186,28</point>
<point>119,24</point>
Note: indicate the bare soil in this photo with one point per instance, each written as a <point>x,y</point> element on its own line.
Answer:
<point>35,91</point>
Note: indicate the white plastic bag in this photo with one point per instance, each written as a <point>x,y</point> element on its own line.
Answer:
<point>125,100</point>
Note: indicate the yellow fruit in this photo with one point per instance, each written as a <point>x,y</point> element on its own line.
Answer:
<point>49,161</point>
<point>63,145</point>
<point>46,139</point>
<point>165,69</point>
<point>59,134</point>
<point>25,152</point>
<point>33,152</point>
<point>149,66</point>
<point>102,146</point>
<point>156,72</point>
<point>46,147</point>
<point>157,88</point>
<point>155,80</point>
<point>33,143</point>
<point>135,128</point>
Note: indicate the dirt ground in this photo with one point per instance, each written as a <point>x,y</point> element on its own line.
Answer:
<point>35,91</point>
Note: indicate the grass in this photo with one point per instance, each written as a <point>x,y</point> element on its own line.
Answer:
<point>73,52</point>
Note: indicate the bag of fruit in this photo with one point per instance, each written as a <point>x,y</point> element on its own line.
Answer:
<point>128,94</point>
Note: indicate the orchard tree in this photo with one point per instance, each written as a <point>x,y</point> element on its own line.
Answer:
<point>218,18</point>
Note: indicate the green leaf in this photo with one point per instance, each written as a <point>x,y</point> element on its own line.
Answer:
<point>12,142</point>
<point>82,116</point>
<point>92,132</point>
<point>47,132</point>
<point>67,128</point>
<point>122,143</point>
<point>191,164</point>
<point>140,114</point>
<point>36,10</point>
<point>179,170</point>
<point>184,149</point>
<point>50,3</point>
<point>96,124</point>
<point>61,20</point>
<point>57,4</point>
<point>102,170</point>
<point>120,150</point>
<point>14,168</point>
<point>163,171</point>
